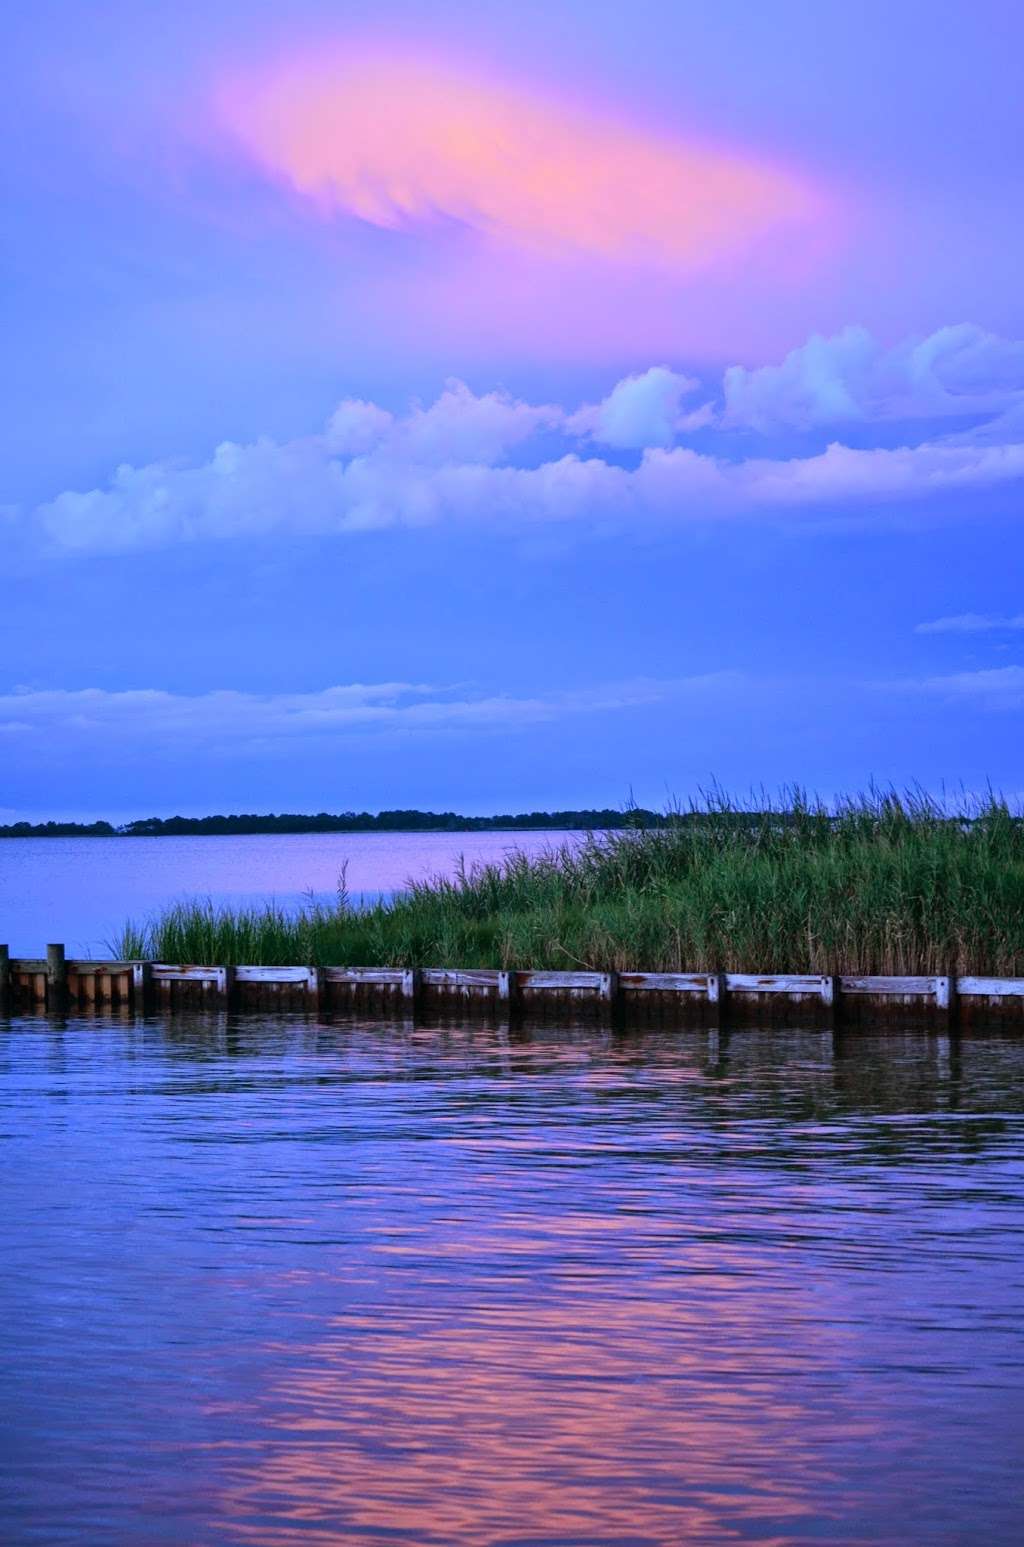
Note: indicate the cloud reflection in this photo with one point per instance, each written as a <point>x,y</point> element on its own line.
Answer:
<point>555,1405</point>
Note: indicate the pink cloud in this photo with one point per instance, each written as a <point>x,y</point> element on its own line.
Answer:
<point>416,144</point>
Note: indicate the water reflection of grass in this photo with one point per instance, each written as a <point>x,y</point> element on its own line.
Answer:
<point>882,883</point>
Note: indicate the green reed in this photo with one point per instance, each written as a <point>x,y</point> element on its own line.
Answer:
<point>880,883</point>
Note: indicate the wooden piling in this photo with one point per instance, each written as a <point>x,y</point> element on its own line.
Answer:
<point>225,986</point>
<point>609,997</point>
<point>314,991</point>
<point>411,989</point>
<point>507,993</point>
<point>56,978</point>
<point>830,1000</point>
<point>946,1000</point>
<point>142,987</point>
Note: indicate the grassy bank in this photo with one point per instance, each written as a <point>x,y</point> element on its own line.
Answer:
<point>880,884</point>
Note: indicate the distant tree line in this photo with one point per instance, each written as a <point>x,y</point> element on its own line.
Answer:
<point>344,822</point>
<point>58,830</point>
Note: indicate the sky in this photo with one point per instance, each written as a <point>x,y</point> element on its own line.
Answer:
<point>494,408</point>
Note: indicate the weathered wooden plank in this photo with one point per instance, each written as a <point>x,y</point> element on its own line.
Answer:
<point>775,983</point>
<point>667,982</point>
<point>86,966</point>
<point>562,980</point>
<point>379,976</point>
<point>170,972</point>
<point>274,975</point>
<point>441,977</point>
<point>991,988</point>
<point>926,987</point>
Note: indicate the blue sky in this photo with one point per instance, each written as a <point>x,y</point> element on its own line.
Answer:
<point>456,407</point>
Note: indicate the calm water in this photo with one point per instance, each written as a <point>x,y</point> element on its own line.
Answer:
<point>268,1282</point>
<point>81,890</point>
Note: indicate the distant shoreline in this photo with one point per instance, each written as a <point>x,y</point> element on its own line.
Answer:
<point>287,824</point>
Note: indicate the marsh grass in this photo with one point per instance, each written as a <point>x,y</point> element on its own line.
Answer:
<point>881,883</point>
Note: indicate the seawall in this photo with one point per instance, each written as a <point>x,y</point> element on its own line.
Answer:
<point>58,983</point>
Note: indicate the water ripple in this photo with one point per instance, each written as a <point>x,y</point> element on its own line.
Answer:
<point>271,1282</point>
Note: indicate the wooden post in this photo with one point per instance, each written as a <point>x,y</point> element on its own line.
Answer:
<point>142,987</point>
<point>225,984</point>
<point>411,989</point>
<point>314,988</point>
<point>945,1001</point>
<point>508,992</point>
<point>56,978</point>
<point>717,995</point>
<point>830,999</point>
<point>608,993</point>
<point>5,977</point>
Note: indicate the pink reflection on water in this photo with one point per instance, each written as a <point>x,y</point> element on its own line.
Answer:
<point>554,1408</point>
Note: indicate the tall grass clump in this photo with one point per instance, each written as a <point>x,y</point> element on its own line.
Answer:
<point>885,882</point>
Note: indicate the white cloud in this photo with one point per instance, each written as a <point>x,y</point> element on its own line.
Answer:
<point>229,721</point>
<point>971,623</point>
<point>843,473</point>
<point>466,460</point>
<point>463,428</point>
<point>851,377</point>
<point>298,488</point>
<point>1000,688</point>
<point>357,427</point>
<point>459,427</point>
<point>640,411</point>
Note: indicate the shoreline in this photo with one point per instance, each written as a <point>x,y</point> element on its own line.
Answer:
<point>391,822</point>
<point>324,832</point>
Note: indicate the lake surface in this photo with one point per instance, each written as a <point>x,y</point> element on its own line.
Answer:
<point>82,890</point>
<point>272,1283</point>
